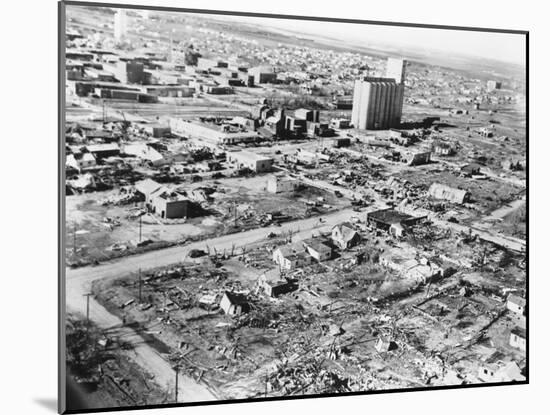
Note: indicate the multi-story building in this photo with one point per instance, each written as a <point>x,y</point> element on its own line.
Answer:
<point>395,69</point>
<point>377,103</point>
<point>120,25</point>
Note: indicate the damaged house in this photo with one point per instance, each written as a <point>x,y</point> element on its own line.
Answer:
<point>392,221</point>
<point>80,161</point>
<point>234,304</point>
<point>408,266</point>
<point>318,250</point>
<point>271,283</point>
<point>344,236</point>
<point>451,194</point>
<point>290,257</point>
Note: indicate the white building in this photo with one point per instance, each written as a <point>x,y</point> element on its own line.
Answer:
<point>80,161</point>
<point>212,134</point>
<point>281,184</point>
<point>121,25</point>
<point>249,160</point>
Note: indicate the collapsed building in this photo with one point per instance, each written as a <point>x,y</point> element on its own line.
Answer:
<point>392,221</point>
<point>273,285</point>
<point>451,194</point>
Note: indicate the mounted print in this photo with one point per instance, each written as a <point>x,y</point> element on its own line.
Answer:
<point>258,207</point>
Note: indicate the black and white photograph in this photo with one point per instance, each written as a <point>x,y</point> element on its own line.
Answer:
<point>262,207</point>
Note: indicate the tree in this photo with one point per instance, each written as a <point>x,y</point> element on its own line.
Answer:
<point>191,57</point>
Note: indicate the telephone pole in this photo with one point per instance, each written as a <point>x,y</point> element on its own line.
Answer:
<point>177,371</point>
<point>87,308</point>
<point>140,226</point>
<point>74,239</point>
<point>266,381</point>
<point>139,276</point>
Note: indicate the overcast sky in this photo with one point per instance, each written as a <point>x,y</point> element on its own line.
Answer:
<point>500,46</point>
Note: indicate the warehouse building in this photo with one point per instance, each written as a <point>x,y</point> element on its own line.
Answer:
<point>252,161</point>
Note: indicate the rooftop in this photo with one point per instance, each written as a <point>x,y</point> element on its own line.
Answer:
<point>389,216</point>
<point>250,156</point>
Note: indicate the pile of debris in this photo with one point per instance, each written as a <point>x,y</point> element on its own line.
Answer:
<point>125,196</point>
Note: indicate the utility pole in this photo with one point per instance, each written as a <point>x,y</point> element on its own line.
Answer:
<point>104,115</point>
<point>74,239</point>
<point>87,308</point>
<point>177,370</point>
<point>140,226</point>
<point>139,276</point>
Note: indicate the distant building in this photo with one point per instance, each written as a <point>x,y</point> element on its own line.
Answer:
<point>252,161</point>
<point>514,164</point>
<point>145,152</point>
<point>339,123</point>
<point>157,130</point>
<point>471,169</point>
<point>492,85</point>
<point>263,75</point>
<point>307,114</point>
<point>295,127</point>
<point>395,69</point>
<point>443,148</point>
<point>218,89</point>
<point>518,338</point>
<point>120,25</point>
<point>215,134</point>
<point>135,72</point>
<point>444,192</point>
<point>408,266</point>
<point>384,344</point>
<point>344,236</point>
<point>338,142</point>
<point>319,129</point>
<point>344,103</point>
<point>234,303</point>
<point>416,158</point>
